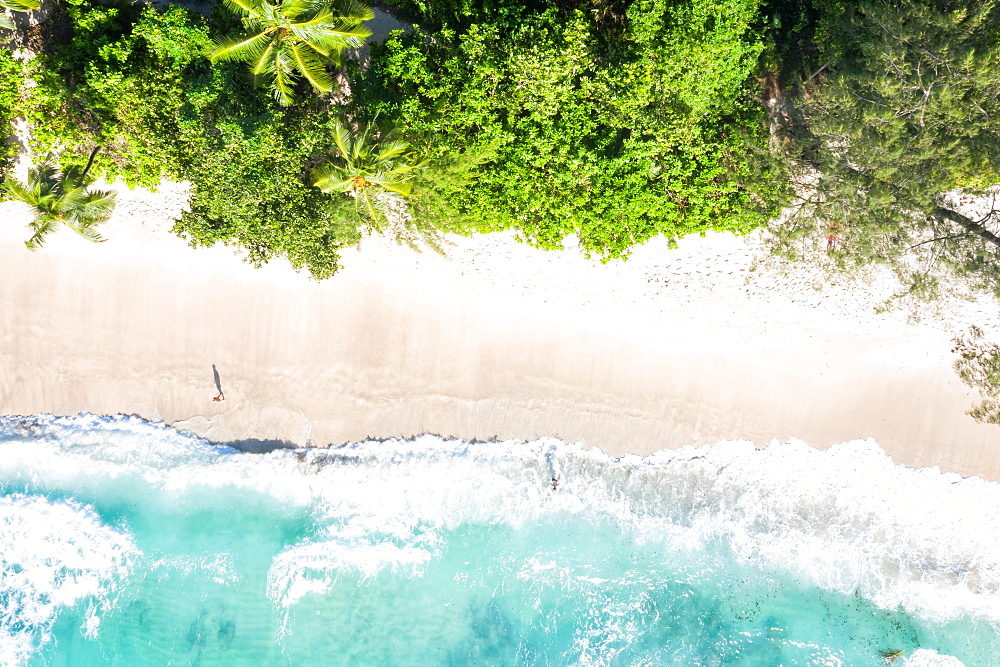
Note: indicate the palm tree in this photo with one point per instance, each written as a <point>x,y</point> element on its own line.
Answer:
<point>294,38</point>
<point>62,197</point>
<point>16,6</point>
<point>376,173</point>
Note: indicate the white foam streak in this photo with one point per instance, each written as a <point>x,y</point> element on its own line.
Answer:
<point>53,555</point>
<point>312,567</point>
<point>923,657</point>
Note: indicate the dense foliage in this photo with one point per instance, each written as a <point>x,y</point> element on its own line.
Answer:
<point>978,365</point>
<point>614,122</point>
<point>294,39</point>
<point>10,85</point>
<point>141,84</point>
<point>611,120</point>
<point>904,119</point>
<point>613,128</point>
<point>377,174</point>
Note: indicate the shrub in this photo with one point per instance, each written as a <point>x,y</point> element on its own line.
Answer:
<point>615,134</point>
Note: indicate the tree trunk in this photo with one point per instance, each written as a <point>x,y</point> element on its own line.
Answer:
<point>90,163</point>
<point>969,224</point>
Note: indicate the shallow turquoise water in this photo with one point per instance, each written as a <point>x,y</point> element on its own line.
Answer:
<point>126,543</point>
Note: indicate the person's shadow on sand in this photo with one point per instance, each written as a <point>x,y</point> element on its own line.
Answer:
<point>218,385</point>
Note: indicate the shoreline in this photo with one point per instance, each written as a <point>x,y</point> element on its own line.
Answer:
<point>496,341</point>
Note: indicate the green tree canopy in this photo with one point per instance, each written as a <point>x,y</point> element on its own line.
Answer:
<point>905,122</point>
<point>62,198</point>
<point>375,173</point>
<point>293,39</point>
<point>143,88</point>
<point>614,126</point>
<point>978,365</point>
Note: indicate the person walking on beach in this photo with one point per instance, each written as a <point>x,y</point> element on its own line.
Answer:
<point>218,385</point>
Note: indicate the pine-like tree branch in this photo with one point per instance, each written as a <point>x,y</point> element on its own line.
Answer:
<point>969,224</point>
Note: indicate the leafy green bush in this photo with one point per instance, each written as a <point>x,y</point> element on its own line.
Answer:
<point>616,135</point>
<point>141,86</point>
<point>121,82</point>
<point>612,121</point>
<point>11,77</point>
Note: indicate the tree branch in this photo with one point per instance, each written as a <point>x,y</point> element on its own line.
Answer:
<point>968,224</point>
<point>940,238</point>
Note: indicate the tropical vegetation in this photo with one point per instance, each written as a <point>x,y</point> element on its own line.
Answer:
<point>293,39</point>
<point>900,129</point>
<point>606,121</point>
<point>612,126</point>
<point>62,197</point>
<point>15,6</point>
<point>611,121</point>
<point>375,174</point>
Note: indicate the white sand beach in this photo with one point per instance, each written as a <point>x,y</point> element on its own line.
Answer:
<point>496,340</point>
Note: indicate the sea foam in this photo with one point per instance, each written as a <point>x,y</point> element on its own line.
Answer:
<point>847,520</point>
<point>54,554</point>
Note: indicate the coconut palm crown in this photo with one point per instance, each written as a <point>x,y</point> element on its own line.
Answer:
<point>62,198</point>
<point>293,39</point>
<point>375,173</point>
<point>15,6</point>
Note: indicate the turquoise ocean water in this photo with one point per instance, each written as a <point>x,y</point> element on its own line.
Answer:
<point>124,542</point>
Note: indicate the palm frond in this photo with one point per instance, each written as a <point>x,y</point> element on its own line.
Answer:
<point>332,37</point>
<point>96,206</point>
<point>331,178</point>
<point>391,148</point>
<point>245,7</point>
<point>21,5</point>
<point>311,68</point>
<point>265,60</point>
<point>361,148</point>
<point>403,188</point>
<point>294,9</point>
<point>42,228</point>
<point>352,10</point>
<point>344,139</point>
<point>21,192</point>
<point>6,22</point>
<point>317,16</point>
<point>333,185</point>
<point>86,231</point>
<point>247,50</point>
<point>44,174</point>
<point>376,213</point>
<point>62,198</point>
<point>282,79</point>
<point>69,199</point>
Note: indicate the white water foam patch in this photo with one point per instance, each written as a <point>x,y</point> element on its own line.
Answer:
<point>847,519</point>
<point>54,555</point>
<point>923,657</point>
<point>87,452</point>
<point>313,566</point>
